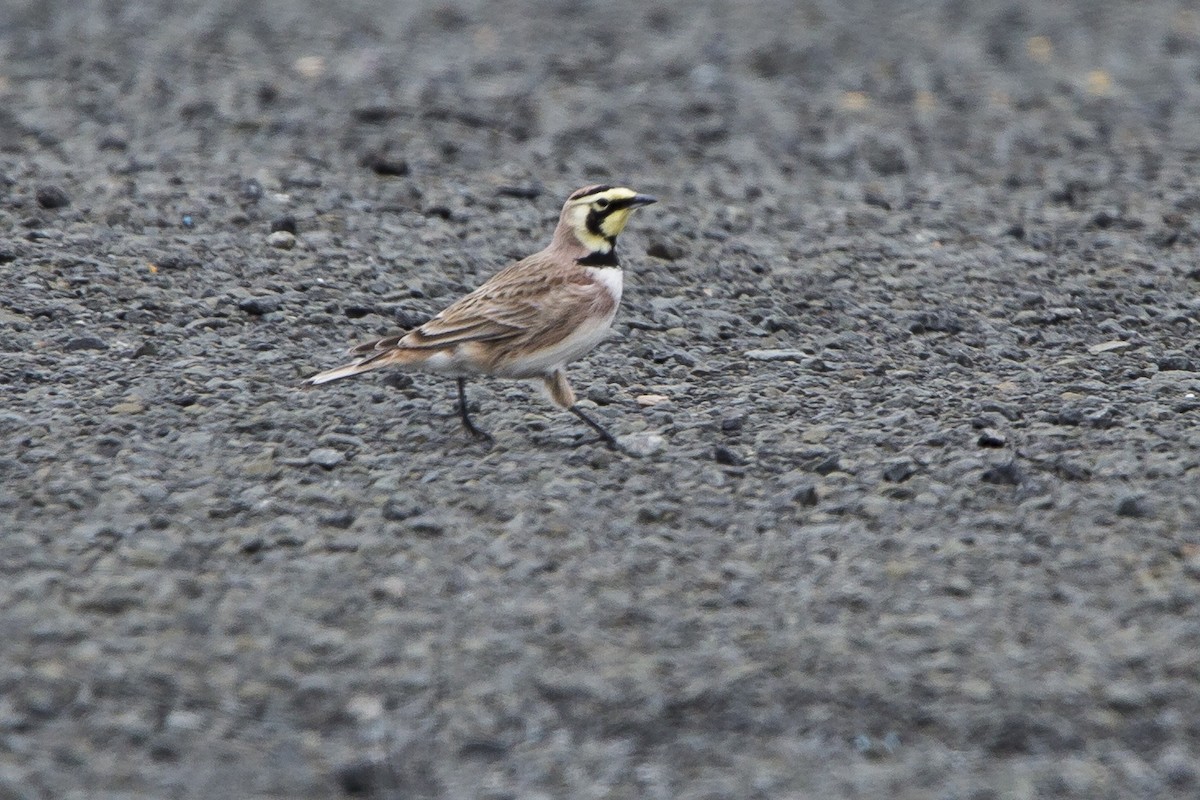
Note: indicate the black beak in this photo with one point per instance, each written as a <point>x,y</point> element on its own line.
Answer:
<point>642,200</point>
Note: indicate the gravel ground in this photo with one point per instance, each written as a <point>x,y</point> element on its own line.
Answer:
<point>919,302</point>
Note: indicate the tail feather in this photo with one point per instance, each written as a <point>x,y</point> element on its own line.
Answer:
<point>385,358</point>
<point>344,371</point>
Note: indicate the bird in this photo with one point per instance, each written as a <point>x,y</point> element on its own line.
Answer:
<point>527,321</point>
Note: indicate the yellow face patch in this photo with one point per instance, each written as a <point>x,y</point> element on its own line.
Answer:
<point>598,217</point>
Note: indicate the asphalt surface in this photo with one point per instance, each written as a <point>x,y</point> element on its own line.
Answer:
<point>908,349</point>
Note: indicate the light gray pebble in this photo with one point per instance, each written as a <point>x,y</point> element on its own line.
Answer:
<point>776,355</point>
<point>325,457</point>
<point>642,444</point>
<point>282,240</point>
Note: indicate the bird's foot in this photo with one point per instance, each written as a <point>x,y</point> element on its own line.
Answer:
<point>478,434</point>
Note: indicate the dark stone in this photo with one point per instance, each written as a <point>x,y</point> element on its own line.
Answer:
<point>267,94</point>
<point>733,424</point>
<point>376,114</point>
<point>992,438</point>
<point>827,465</point>
<point>250,189</point>
<point>286,223</point>
<point>173,262</point>
<point>727,456</point>
<point>1071,471</point>
<point>385,165</point>
<point>1010,412</point>
<point>85,343</point>
<point>52,197</point>
<point>806,496</point>
<point>110,601</point>
<point>1175,360</point>
<point>398,380</point>
<point>259,306</point>
<point>483,749</point>
<point>112,142</point>
<point>341,519</point>
<point>667,251</point>
<point>874,195</point>
<point>364,778</point>
<point>1134,506</point>
<point>941,321</point>
<point>528,192</point>
<point>426,526</point>
<point>1008,474</point>
<point>253,545</point>
<point>899,471</point>
<point>886,155</point>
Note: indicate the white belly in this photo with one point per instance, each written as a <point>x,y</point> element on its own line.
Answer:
<point>578,343</point>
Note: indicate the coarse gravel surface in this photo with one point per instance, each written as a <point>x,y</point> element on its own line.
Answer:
<point>908,351</point>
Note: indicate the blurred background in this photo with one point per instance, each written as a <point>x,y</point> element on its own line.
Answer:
<point>1079,97</point>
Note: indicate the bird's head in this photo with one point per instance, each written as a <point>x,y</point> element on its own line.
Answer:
<point>595,215</point>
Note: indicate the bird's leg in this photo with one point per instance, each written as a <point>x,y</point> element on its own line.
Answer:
<point>605,436</point>
<point>465,415</point>
<point>562,394</point>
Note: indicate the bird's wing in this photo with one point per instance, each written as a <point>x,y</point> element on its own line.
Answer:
<point>521,301</point>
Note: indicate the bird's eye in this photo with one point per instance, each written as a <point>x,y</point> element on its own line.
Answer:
<point>602,203</point>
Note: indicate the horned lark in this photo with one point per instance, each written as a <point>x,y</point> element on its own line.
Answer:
<point>529,320</point>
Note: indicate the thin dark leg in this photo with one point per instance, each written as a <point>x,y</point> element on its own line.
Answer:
<point>605,436</point>
<point>466,416</point>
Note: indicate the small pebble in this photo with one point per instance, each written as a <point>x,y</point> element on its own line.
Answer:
<point>282,240</point>
<point>325,457</point>
<point>392,587</point>
<point>85,343</point>
<point>1134,506</point>
<point>251,190</point>
<point>642,444</point>
<point>426,525</point>
<point>990,437</point>
<point>525,192</point>
<point>775,355</point>
<point>733,424</point>
<point>806,496</point>
<point>1174,360</point>
<point>899,471</point>
<point>395,509</point>
<point>52,197</point>
<point>1107,347</point>
<point>958,586</point>
<point>384,165</point>
<point>651,399</point>
<point>1003,474</point>
<point>815,434</point>
<point>286,223</point>
<point>727,456</point>
<point>261,305</point>
<point>667,251</point>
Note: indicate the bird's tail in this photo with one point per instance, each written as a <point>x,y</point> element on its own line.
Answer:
<point>344,371</point>
<point>392,357</point>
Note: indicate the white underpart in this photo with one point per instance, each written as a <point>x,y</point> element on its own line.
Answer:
<point>610,278</point>
<point>442,362</point>
<point>580,341</point>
